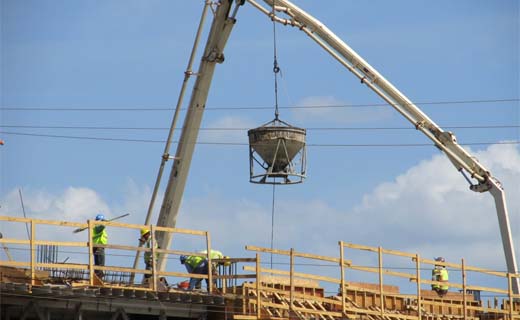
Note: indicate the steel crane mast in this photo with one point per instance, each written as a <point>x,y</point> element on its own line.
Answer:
<point>446,141</point>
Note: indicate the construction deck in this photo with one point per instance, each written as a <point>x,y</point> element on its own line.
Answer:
<point>35,285</point>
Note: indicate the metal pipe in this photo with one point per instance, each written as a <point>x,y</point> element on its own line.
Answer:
<point>165,157</point>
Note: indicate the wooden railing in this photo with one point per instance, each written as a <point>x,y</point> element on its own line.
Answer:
<point>292,298</point>
<point>383,303</point>
<point>32,265</point>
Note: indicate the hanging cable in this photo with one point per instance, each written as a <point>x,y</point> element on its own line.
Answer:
<point>276,70</point>
<point>272,226</point>
<point>276,67</point>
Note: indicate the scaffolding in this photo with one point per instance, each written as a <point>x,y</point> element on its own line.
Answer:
<point>243,288</point>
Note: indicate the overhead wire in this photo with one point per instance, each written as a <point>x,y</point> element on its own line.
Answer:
<point>500,126</point>
<point>209,108</point>
<point>246,144</point>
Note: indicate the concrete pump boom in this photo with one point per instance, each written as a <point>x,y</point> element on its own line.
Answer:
<point>444,140</point>
<point>213,53</point>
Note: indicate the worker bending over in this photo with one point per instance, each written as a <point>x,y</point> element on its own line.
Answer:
<point>200,265</point>
<point>99,236</point>
<point>439,273</point>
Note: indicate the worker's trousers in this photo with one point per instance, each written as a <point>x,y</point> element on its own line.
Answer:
<point>202,268</point>
<point>99,260</point>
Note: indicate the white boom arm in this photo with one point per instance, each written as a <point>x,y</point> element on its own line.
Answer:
<point>221,28</point>
<point>223,22</point>
<point>444,140</point>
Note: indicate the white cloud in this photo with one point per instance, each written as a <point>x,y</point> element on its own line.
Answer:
<point>74,204</point>
<point>317,113</point>
<point>427,210</point>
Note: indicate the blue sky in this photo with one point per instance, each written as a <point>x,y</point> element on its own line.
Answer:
<point>92,55</point>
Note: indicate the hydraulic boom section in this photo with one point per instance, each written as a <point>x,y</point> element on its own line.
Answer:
<point>223,22</point>
<point>444,140</point>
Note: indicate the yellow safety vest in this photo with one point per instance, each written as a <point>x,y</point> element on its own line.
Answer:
<point>215,254</point>
<point>444,277</point>
<point>99,235</point>
<point>194,261</point>
<point>148,254</point>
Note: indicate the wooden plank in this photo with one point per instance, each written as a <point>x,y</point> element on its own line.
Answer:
<point>236,276</point>
<point>14,241</point>
<point>296,254</point>
<point>378,313</point>
<point>468,268</point>
<point>41,221</point>
<point>33,254</point>
<point>296,274</point>
<point>342,274</point>
<point>90,253</point>
<point>61,243</point>
<point>409,276</point>
<point>359,247</point>
<point>14,263</point>
<point>296,294</point>
<point>182,274</point>
<point>141,226</point>
<point>63,265</point>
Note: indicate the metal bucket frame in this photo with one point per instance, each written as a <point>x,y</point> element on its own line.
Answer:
<point>293,170</point>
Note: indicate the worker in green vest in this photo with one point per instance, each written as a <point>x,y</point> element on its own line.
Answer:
<point>199,265</point>
<point>99,236</point>
<point>440,274</point>
<point>146,241</point>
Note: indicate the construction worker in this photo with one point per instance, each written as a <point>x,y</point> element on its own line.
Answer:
<point>146,241</point>
<point>199,265</point>
<point>99,236</point>
<point>440,274</point>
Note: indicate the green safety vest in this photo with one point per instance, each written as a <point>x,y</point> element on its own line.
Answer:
<point>214,254</point>
<point>194,261</point>
<point>99,235</point>
<point>148,254</point>
<point>444,277</point>
<point>440,275</point>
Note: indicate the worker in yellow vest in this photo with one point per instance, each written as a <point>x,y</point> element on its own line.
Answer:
<point>440,274</point>
<point>146,241</point>
<point>99,236</point>
<point>199,265</point>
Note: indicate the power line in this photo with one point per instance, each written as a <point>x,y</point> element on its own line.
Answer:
<point>245,129</point>
<point>365,105</point>
<point>245,144</point>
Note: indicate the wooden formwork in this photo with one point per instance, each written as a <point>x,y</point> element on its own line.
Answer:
<point>259,292</point>
<point>372,300</point>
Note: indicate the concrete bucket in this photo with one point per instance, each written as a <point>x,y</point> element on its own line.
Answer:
<point>277,144</point>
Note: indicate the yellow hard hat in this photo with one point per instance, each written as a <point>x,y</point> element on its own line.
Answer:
<point>144,231</point>
<point>227,263</point>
